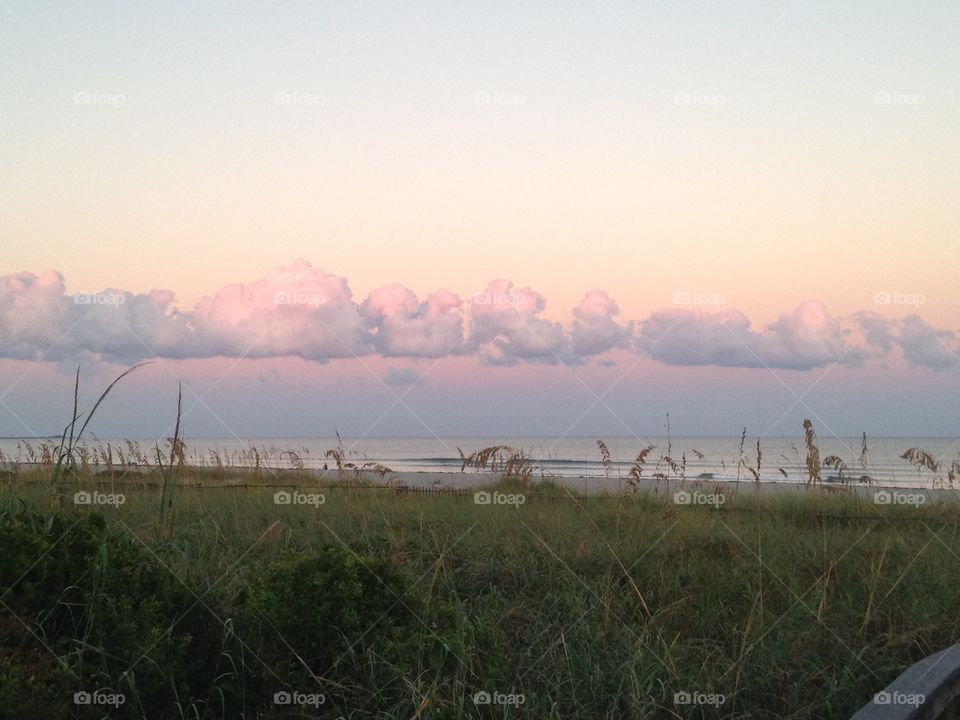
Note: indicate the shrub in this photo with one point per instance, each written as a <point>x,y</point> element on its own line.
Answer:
<point>112,615</point>
<point>333,614</point>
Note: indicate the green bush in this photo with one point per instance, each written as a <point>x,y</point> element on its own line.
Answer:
<point>333,614</point>
<point>91,609</point>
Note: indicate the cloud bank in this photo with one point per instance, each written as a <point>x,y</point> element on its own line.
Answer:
<point>303,311</point>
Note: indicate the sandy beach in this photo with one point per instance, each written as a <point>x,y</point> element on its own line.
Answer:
<point>463,482</point>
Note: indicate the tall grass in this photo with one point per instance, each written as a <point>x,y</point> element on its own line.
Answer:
<point>397,605</point>
<point>589,606</point>
<point>169,473</point>
<point>65,457</point>
<point>506,461</point>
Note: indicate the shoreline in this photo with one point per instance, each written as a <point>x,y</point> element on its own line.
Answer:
<point>449,481</point>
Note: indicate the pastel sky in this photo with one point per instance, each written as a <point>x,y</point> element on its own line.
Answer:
<point>464,218</point>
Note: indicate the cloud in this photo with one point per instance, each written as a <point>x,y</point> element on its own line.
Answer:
<point>877,330</point>
<point>810,337</point>
<point>34,313</point>
<point>507,326</point>
<point>137,325</point>
<point>595,329</point>
<point>403,376</point>
<point>694,337</point>
<point>402,326</point>
<point>926,346</point>
<point>38,319</point>
<point>922,345</point>
<point>297,310</point>
<point>300,310</point>
<point>802,340</point>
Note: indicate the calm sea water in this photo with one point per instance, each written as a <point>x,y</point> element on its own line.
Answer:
<point>781,459</point>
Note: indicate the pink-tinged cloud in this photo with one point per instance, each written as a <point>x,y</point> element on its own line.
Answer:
<point>595,329</point>
<point>33,313</point>
<point>921,344</point>
<point>296,310</point>
<point>808,337</point>
<point>507,325</point>
<point>402,326</point>
<point>39,319</point>
<point>303,311</point>
<point>924,345</point>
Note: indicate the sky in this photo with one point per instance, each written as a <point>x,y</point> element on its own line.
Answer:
<point>463,218</point>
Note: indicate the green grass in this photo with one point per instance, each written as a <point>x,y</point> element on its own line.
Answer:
<point>596,607</point>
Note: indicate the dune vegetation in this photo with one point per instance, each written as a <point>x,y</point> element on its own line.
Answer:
<point>184,592</point>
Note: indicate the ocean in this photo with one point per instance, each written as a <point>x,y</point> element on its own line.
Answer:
<point>782,459</point>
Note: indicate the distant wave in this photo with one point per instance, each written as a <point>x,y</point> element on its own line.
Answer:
<point>536,460</point>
